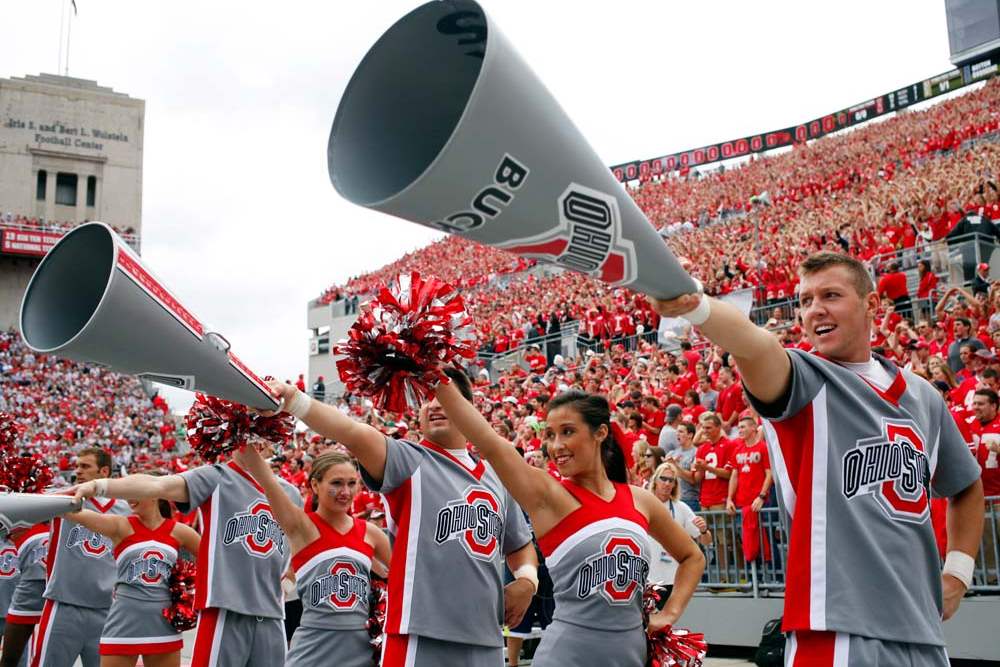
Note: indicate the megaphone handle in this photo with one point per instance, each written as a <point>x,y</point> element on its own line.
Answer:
<point>225,341</point>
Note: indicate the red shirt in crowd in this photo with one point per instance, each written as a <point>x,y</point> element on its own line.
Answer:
<point>730,401</point>
<point>714,489</point>
<point>893,285</point>
<point>983,435</point>
<point>751,463</point>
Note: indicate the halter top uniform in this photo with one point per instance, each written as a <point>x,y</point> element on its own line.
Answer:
<point>598,557</point>
<point>333,581</point>
<point>135,624</point>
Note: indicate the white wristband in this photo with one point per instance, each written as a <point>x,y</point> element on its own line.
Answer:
<point>528,572</point>
<point>297,405</point>
<point>701,311</point>
<point>959,565</point>
<point>101,487</point>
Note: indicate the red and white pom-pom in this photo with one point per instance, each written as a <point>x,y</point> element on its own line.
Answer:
<point>21,473</point>
<point>669,646</point>
<point>401,338</point>
<point>10,432</point>
<point>181,613</point>
<point>378,598</point>
<point>216,427</point>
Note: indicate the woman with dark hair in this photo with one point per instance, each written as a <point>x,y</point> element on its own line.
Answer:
<point>146,545</point>
<point>584,523</point>
<point>326,543</point>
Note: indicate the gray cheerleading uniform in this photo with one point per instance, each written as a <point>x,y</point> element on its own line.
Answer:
<point>451,526</point>
<point>332,576</point>
<point>855,464</point>
<point>31,547</point>
<point>80,578</point>
<point>598,557</point>
<point>8,577</point>
<point>135,624</point>
<point>242,556</point>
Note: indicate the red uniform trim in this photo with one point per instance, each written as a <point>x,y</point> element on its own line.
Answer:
<point>54,541</point>
<point>331,538</point>
<point>814,648</point>
<point>140,533</point>
<point>204,555</point>
<point>245,475</point>
<point>399,501</point>
<point>102,508</point>
<point>23,619</point>
<point>146,648</point>
<point>39,639</point>
<point>208,622</point>
<point>592,508</point>
<point>476,472</point>
<point>394,654</point>
<point>795,440</point>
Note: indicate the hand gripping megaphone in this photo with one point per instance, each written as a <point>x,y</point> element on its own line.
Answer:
<point>91,299</point>
<point>23,510</point>
<point>445,125</point>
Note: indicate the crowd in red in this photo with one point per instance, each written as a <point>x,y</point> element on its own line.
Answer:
<point>65,406</point>
<point>892,188</point>
<point>33,223</point>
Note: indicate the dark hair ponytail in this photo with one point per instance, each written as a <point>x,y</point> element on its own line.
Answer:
<point>595,412</point>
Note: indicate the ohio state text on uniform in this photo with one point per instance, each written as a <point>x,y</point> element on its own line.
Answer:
<point>855,467</point>
<point>452,527</point>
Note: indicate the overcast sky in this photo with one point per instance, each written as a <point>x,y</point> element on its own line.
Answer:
<point>239,217</point>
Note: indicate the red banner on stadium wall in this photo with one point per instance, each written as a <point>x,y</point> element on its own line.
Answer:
<point>36,244</point>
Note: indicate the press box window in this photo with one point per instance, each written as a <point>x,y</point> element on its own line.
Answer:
<point>91,190</point>
<point>66,189</point>
<point>40,185</point>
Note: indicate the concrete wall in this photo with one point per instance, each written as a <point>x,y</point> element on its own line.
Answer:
<point>62,124</point>
<point>15,272</point>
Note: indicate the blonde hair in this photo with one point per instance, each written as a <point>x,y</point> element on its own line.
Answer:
<point>675,493</point>
<point>324,462</point>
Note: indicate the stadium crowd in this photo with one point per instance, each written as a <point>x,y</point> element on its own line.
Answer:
<point>9,220</point>
<point>888,193</point>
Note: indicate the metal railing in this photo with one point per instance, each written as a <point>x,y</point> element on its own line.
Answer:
<point>959,255</point>
<point>132,238</point>
<point>727,568</point>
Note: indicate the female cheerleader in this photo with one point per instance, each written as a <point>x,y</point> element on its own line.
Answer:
<point>145,549</point>
<point>592,528</point>
<point>333,555</point>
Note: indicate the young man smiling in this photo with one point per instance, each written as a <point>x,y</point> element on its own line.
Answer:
<point>856,445</point>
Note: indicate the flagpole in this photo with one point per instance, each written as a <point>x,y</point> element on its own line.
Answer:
<point>69,35</point>
<point>62,34</point>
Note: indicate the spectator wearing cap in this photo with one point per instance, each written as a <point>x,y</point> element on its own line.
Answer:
<point>668,441</point>
<point>981,281</point>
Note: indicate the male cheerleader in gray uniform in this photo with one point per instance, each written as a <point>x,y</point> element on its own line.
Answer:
<point>857,446</point>
<point>80,575</point>
<point>25,610</point>
<point>242,555</point>
<point>453,524</point>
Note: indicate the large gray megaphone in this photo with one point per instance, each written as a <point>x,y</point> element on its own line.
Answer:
<point>92,299</point>
<point>23,510</point>
<point>444,124</point>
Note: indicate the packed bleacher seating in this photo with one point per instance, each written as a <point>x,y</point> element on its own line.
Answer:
<point>66,406</point>
<point>24,223</point>
<point>887,193</point>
